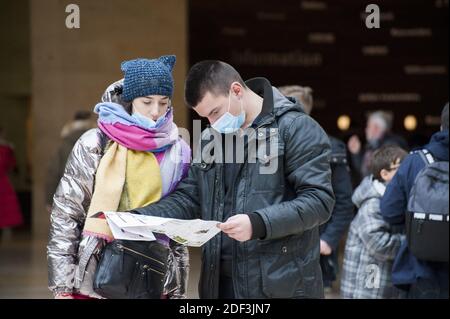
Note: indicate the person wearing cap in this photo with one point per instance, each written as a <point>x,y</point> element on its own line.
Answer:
<point>136,157</point>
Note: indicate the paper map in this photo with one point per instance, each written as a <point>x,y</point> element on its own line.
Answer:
<point>194,233</point>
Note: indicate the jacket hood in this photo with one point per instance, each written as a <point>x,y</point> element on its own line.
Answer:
<point>368,189</point>
<point>275,103</point>
<point>438,145</point>
<point>113,93</point>
<point>283,104</point>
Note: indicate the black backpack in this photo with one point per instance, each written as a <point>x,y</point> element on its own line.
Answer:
<point>427,213</point>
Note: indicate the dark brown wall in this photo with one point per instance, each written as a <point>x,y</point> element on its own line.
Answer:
<point>401,67</point>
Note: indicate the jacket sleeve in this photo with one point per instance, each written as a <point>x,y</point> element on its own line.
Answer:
<point>342,214</point>
<point>70,204</point>
<point>183,203</point>
<point>377,235</point>
<point>307,169</point>
<point>395,200</point>
<point>356,163</point>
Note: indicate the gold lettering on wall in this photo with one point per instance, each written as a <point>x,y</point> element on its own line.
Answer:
<point>389,97</point>
<point>375,50</point>
<point>321,37</point>
<point>415,32</point>
<point>313,5</point>
<point>234,32</point>
<point>425,69</point>
<point>293,58</point>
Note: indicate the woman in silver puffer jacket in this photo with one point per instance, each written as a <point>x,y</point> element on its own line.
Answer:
<point>75,245</point>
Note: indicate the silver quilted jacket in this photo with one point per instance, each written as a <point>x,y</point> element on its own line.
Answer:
<point>72,257</point>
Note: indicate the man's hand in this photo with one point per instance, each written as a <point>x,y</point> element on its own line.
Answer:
<point>325,249</point>
<point>238,227</point>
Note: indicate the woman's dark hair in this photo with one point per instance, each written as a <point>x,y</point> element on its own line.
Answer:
<point>384,158</point>
<point>116,97</point>
<point>209,76</point>
<point>128,106</point>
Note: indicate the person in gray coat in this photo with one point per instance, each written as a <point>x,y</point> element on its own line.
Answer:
<point>372,243</point>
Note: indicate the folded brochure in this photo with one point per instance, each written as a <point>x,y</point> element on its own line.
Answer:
<point>129,226</point>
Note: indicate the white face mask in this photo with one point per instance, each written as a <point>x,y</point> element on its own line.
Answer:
<point>229,123</point>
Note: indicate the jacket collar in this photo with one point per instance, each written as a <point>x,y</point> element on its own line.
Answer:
<point>274,105</point>
<point>263,88</point>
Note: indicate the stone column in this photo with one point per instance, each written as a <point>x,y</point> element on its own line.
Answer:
<point>72,67</point>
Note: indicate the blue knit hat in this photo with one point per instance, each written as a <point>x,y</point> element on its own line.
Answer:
<point>143,77</point>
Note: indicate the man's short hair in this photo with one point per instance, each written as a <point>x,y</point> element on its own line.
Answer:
<point>211,76</point>
<point>444,118</point>
<point>384,158</point>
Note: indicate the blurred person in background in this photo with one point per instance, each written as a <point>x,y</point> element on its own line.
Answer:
<point>378,133</point>
<point>334,230</point>
<point>10,213</point>
<point>70,134</point>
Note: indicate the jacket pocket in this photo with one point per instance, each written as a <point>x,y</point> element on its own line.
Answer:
<point>312,283</point>
<point>147,280</point>
<point>269,171</point>
<point>281,271</point>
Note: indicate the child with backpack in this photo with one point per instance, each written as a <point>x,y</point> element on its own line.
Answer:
<point>372,244</point>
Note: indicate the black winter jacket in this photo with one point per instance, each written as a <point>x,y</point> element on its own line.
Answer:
<point>293,201</point>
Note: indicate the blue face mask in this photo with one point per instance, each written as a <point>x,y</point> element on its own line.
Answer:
<point>229,123</point>
<point>147,122</point>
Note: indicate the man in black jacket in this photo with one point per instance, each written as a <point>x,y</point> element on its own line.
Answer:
<point>270,204</point>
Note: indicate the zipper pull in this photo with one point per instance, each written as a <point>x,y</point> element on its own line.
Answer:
<point>122,257</point>
<point>419,227</point>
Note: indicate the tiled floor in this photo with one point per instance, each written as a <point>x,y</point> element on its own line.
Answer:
<point>23,269</point>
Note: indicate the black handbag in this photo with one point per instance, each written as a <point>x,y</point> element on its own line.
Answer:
<point>131,270</point>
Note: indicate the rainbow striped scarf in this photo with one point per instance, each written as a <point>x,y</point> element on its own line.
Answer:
<point>140,165</point>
